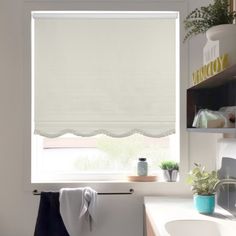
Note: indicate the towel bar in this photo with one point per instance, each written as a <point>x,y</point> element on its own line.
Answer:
<point>131,191</point>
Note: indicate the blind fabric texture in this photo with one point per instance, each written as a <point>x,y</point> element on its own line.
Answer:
<point>104,75</point>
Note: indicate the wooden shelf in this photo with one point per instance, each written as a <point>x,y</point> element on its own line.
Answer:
<point>217,80</point>
<point>148,178</point>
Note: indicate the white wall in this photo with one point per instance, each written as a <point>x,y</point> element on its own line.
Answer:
<point>18,208</point>
<point>202,146</point>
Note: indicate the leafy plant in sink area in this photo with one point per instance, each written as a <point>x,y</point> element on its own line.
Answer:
<point>202,184</point>
<point>203,18</point>
<point>202,181</point>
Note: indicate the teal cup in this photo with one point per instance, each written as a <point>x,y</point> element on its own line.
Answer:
<point>204,204</point>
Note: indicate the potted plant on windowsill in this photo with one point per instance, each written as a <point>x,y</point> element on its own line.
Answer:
<point>203,183</point>
<point>215,19</point>
<point>170,170</point>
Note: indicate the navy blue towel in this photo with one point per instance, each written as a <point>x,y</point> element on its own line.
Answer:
<point>49,221</point>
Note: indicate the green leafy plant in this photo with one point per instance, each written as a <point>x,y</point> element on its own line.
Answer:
<point>200,20</point>
<point>202,181</point>
<point>169,165</point>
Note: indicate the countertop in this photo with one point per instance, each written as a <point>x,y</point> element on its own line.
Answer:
<point>161,210</point>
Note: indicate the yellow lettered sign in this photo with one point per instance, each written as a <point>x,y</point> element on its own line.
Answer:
<point>210,69</point>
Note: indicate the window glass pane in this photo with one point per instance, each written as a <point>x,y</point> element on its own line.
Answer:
<point>103,155</point>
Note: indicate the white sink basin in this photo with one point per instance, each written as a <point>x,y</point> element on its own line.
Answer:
<point>196,228</point>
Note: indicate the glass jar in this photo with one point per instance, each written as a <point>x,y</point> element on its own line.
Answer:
<point>142,167</point>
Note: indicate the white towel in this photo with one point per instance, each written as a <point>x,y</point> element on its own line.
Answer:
<point>78,208</point>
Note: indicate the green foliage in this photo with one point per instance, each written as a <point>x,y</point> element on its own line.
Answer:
<point>202,182</point>
<point>122,149</point>
<point>169,165</point>
<point>200,20</point>
<point>121,154</point>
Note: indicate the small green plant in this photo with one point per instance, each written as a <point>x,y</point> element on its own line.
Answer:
<point>202,182</point>
<point>169,165</point>
<point>200,20</point>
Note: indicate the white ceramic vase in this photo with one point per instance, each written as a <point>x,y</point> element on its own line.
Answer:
<point>220,40</point>
<point>170,175</point>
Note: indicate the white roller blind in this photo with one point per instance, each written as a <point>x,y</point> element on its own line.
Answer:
<point>104,73</point>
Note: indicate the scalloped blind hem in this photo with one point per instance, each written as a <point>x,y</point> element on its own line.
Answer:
<point>156,132</point>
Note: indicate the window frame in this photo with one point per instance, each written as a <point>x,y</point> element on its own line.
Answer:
<point>163,188</point>
<point>37,174</point>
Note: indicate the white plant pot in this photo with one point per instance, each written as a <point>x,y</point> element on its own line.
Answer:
<point>170,175</point>
<point>221,40</point>
<point>220,32</point>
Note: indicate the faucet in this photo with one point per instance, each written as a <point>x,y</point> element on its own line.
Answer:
<point>222,182</point>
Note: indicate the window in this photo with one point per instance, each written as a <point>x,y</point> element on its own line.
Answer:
<point>99,73</point>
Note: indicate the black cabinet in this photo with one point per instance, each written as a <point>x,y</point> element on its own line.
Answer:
<point>213,93</point>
